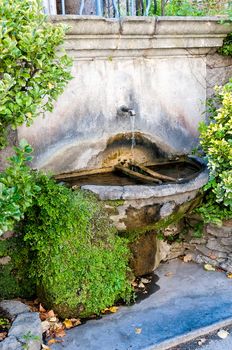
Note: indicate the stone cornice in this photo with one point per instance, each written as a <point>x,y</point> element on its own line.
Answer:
<point>96,37</point>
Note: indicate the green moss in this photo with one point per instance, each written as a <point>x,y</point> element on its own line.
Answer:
<point>158,226</point>
<point>80,264</point>
<point>14,278</point>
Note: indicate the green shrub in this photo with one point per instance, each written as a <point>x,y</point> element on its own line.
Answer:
<point>216,141</point>
<point>17,188</point>
<point>32,73</point>
<point>80,265</point>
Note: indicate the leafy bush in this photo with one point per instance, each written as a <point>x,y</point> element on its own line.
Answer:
<point>17,188</point>
<point>32,73</point>
<point>216,141</point>
<point>80,264</point>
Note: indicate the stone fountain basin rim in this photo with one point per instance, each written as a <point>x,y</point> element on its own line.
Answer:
<point>132,192</point>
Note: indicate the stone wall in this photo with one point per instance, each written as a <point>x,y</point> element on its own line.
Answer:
<point>159,67</point>
<point>183,239</point>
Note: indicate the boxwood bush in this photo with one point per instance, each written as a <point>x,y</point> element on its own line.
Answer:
<point>216,141</point>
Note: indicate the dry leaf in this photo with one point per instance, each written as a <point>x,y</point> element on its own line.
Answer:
<point>45,347</point>
<point>113,309</point>
<point>3,335</point>
<point>53,341</point>
<point>188,258</point>
<point>209,267</point>
<point>68,323</point>
<point>51,313</point>
<point>141,285</point>
<point>60,333</point>
<point>169,274</point>
<point>138,330</point>
<point>145,280</point>
<point>222,334</point>
<point>229,275</point>
<point>53,319</point>
<point>75,321</point>
<point>45,326</point>
<point>41,309</point>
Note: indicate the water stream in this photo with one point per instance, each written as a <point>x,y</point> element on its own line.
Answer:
<point>133,140</point>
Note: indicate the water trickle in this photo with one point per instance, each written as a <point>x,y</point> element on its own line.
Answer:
<point>133,140</point>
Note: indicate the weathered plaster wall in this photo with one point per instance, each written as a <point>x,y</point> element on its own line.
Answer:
<point>156,66</point>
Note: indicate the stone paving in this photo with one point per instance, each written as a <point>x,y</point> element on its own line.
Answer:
<point>189,299</point>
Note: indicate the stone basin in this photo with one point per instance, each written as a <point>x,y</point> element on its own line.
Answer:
<point>140,207</point>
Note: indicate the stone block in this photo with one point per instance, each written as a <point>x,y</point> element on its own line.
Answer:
<point>213,244</point>
<point>219,231</point>
<point>28,330</point>
<point>14,307</point>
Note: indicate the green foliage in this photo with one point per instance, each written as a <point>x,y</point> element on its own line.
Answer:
<point>14,279</point>
<point>187,8</point>
<point>216,141</point>
<point>80,265</point>
<point>32,73</point>
<point>17,188</point>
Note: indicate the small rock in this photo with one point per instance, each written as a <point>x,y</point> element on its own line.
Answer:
<point>14,307</point>
<point>223,334</point>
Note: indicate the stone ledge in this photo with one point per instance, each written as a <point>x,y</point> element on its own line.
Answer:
<point>137,35</point>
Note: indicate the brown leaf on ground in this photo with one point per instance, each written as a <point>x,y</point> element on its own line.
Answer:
<point>111,309</point>
<point>229,275</point>
<point>3,335</point>
<point>169,274</point>
<point>51,313</point>
<point>187,258</point>
<point>68,323</point>
<point>41,308</point>
<point>138,330</point>
<point>53,341</point>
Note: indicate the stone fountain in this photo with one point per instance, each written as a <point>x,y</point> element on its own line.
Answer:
<point>138,93</point>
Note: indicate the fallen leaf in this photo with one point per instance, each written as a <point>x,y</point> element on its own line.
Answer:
<point>138,330</point>
<point>45,326</point>
<point>53,319</point>
<point>134,284</point>
<point>41,309</point>
<point>60,333</point>
<point>45,347</point>
<point>51,313</point>
<point>141,285</point>
<point>168,274</point>
<point>76,321</point>
<point>53,341</point>
<point>145,280</point>
<point>229,275</point>
<point>68,323</point>
<point>187,258</point>
<point>209,267</point>
<point>113,309</point>
<point>222,334</point>
<point>3,335</point>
